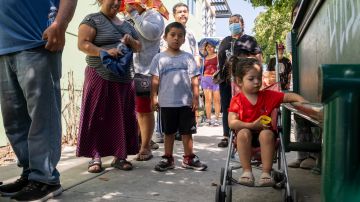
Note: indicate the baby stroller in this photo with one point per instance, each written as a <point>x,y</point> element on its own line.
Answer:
<point>280,176</point>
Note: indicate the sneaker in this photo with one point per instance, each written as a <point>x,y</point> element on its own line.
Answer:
<point>193,162</point>
<point>159,138</point>
<point>208,122</point>
<point>12,188</point>
<point>308,163</point>
<point>37,191</point>
<point>165,164</point>
<point>295,164</point>
<point>154,145</point>
<point>223,143</point>
<point>215,122</point>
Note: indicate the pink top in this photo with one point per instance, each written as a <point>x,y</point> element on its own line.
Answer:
<point>210,66</point>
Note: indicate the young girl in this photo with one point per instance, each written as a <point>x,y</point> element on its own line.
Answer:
<point>244,117</point>
<point>175,89</point>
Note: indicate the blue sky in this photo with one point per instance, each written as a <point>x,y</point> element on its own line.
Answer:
<point>243,8</point>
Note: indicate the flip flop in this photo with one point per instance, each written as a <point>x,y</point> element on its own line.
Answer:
<point>247,179</point>
<point>266,180</point>
<point>122,164</point>
<point>144,156</point>
<point>96,165</point>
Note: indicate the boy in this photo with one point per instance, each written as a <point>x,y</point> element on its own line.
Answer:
<point>175,92</point>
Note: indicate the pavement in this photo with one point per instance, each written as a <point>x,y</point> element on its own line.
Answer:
<point>143,184</point>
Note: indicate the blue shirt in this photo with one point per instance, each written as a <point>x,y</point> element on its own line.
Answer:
<point>22,23</point>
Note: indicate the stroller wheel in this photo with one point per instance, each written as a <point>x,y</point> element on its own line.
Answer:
<point>279,178</point>
<point>220,196</point>
<point>228,177</point>
<point>228,194</point>
<point>290,198</point>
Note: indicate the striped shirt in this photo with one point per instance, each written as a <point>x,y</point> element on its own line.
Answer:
<point>108,37</point>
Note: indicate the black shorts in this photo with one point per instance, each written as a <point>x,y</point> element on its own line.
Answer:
<point>180,119</point>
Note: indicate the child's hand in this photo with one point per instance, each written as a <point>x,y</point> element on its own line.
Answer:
<point>257,125</point>
<point>195,104</point>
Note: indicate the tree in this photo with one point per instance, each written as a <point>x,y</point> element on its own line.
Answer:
<point>272,25</point>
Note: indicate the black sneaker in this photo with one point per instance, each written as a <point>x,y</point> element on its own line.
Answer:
<point>165,164</point>
<point>12,188</point>
<point>193,162</point>
<point>37,191</point>
<point>223,143</point>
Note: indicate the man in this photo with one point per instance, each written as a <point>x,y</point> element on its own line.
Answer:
<point>181,15</point>
<point>32,37</point>
<point>285,69</point>
<point>150,26</point>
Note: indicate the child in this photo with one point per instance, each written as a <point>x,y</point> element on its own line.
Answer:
<point>175,92</point>
<point>244,117</point>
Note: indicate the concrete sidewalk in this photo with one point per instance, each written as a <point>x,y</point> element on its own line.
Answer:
<point>145,184</point>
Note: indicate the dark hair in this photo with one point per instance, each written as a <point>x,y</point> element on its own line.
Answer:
<point>179,5</point>
<point>240,66</point>
<point>177,25</point>
<point>241,19</point>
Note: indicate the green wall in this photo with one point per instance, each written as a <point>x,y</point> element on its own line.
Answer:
<point>332,38</point>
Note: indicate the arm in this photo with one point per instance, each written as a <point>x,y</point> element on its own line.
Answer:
<point>236,124</point>
<point>55,33</point>
<point>293,97</point>
<point>154,92</point>
<point>86,36</point>
<point>195,90</point>
<point>150,27</point>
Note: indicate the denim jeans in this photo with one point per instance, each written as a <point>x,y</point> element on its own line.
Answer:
<point>31,109</point>
<point>225,95</point>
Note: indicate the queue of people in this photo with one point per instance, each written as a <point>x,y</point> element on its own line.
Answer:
<point>168,55</point>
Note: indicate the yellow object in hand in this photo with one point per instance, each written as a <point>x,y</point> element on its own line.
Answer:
<point>265,120</point>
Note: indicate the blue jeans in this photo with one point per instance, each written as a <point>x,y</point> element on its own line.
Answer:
<point>225,95</point>
<point>31,109</point>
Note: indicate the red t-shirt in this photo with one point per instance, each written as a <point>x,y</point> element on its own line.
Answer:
<point>266,102</point>
<point>210,66</point>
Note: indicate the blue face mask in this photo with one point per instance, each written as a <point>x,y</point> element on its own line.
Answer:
<point>235,28</point>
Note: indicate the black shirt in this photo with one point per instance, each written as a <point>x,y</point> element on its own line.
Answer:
<point>285,70</point>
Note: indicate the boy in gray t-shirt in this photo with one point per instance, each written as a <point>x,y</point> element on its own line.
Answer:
<point>175,93</point>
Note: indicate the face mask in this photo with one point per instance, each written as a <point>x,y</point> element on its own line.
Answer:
<point>235,28</point>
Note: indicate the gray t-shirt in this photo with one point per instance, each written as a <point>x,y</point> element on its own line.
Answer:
<point>175,74</point>
<point>150,27</point>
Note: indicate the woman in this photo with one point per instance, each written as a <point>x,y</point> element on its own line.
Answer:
<point>211,90</point>
<point>107,97</point>
<point>244,46</point>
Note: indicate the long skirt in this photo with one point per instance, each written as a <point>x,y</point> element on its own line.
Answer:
<point>108,125</point>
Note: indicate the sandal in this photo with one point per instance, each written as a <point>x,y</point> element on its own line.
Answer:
<point>223,143</point>
<point>95,166</point>
<point>122,164</point>
<point>144,156</point>
<point>266,180</point>
<point>247,179</point>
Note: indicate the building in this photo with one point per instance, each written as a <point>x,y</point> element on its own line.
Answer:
<point>201,22</point>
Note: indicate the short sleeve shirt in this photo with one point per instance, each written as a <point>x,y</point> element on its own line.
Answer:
<point>175,74</point>
<point>267,101</point>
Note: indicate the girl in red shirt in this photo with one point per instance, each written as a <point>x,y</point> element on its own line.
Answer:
<point>244,117</point>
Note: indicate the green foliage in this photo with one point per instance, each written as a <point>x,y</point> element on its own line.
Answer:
<point>272,25</point>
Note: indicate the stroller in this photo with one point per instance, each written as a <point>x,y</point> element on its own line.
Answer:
<point>224,189</point>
